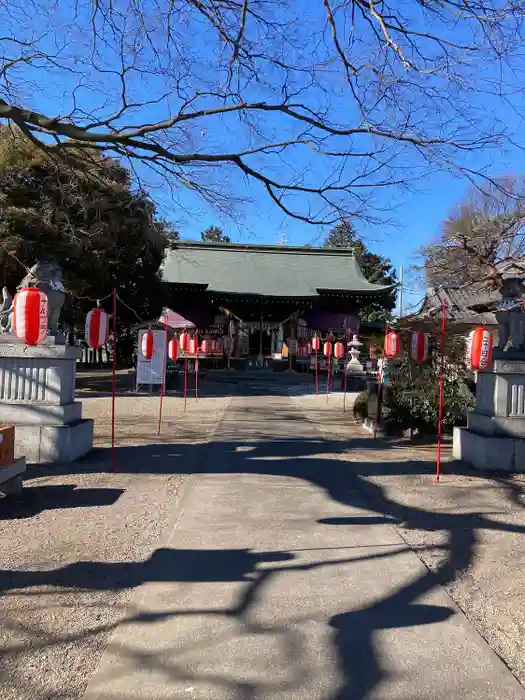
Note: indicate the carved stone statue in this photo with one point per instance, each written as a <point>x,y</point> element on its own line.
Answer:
<point>46,276</point>
<point>6,312</point>
<point>510,315</point>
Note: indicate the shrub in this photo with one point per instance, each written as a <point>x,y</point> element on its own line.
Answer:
<point>412,396</point>
<point>361,406</point>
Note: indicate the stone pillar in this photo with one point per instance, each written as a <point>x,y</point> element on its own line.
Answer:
<point>37,396</point>
<point>494,438</point>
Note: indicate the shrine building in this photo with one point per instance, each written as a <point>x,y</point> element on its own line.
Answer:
<point>262,295</point>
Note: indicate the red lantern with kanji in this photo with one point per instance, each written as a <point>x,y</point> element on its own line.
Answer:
<point>479,354</point>
<point>146,345</point>
<point>339,350</point>
<point>173,349</point>
<point>316,344</point>
<point>96,331</point>
<point>327,349</point>
<point>184,341</point>
<point>207,346</point>
<point>30,315</point>
<point>192,346</point>
<point>392,344</point>
<point>419,346</point>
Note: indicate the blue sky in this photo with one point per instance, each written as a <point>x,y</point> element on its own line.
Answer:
<point>410,219</point>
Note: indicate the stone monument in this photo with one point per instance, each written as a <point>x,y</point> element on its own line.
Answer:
<point>494,438</point>
<point>37,384</point>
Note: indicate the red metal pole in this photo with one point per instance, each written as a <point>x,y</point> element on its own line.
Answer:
<point>185,380</point>
<point>317,371</point>
<point>114,380</point>
<point>345,370</point>
<point>163,378</point>
<point>380,381</point>
<point>441,388</point>
<point>328,378</point>
<point>197,367</point>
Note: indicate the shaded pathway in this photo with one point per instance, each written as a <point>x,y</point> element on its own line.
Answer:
<point>285,578</point>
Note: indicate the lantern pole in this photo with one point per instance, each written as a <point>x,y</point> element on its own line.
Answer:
<point>329,366</point>
<point>380,382</point>
<point>196,365</point>
<point>317,371</point>
<point>345,380</point>
<point>441,387</point>
<point>185,377</point>
<point>163,378</point>
<point>114,380</point>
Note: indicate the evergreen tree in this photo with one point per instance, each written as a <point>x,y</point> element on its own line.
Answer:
<point>376,269</point>
<point>214,234</point>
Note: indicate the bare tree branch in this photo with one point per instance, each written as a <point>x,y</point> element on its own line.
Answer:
<point>187,89</point>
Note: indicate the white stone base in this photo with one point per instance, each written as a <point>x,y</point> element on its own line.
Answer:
<point>54,443</point>
<point>489,452</point>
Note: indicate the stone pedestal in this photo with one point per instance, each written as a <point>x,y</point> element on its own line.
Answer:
<point>37,395</point>
<point>494,438</point>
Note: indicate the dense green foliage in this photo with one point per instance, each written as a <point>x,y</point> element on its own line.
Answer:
<point>375,268</point>
<point>360,407</point>
<point>84,214</point>
<point>214,234</point>
<point>412,395</point>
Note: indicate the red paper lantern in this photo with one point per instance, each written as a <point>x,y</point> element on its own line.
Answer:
<point>316,344</point>
<point>192,346</point>
<point>392,344</point>
<point>146,345</point>
<point>173,349</point>
<point>419,346</point>
<point>479,354</point>
<point>207,346</point>
<point>30,315</point>
<point>96,331</point>
<point>327,349</point>
<point>184,341</point>
<point>339,350</point>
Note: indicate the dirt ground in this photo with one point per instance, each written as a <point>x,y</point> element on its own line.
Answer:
<point>78,521</point>
<point>83,523</point>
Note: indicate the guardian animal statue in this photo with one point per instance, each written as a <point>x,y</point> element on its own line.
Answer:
<point>510,315</point>
<point>46,276</point>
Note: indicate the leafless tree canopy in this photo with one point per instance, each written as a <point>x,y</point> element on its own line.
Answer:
<point>482,240</point>
<point>318,102</point>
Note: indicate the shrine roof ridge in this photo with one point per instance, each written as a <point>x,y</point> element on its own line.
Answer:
<point>266,248</point>
<point>267,270</point>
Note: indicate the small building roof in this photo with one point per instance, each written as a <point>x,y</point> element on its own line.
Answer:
<point>462,304</point>
<point>264,270</point>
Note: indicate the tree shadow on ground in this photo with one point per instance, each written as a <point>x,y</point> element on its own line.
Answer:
<point>36,499</point>
<point>306,459</point>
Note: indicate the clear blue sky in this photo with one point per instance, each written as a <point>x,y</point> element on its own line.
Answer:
<point>414,218</point>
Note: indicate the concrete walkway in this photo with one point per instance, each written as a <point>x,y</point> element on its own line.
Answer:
<point>282,578</point>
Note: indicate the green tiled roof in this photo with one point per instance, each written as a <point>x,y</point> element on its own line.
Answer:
<point>276,271</point>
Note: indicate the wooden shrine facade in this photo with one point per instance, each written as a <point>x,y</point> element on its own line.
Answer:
<point>266,284</point>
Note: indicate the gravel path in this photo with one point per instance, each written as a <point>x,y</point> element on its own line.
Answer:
<point>468,529</point>
<point>82,523</point>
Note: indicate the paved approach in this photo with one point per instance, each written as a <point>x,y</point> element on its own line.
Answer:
<point>282,578</point>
